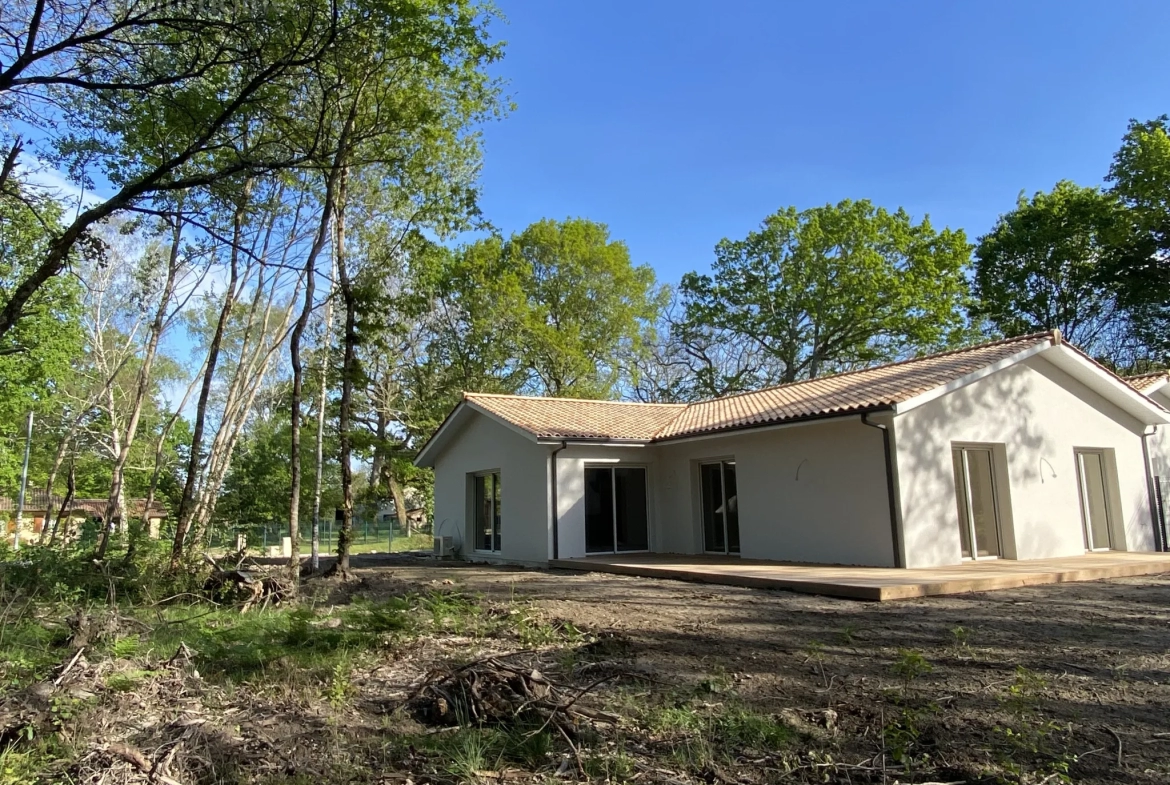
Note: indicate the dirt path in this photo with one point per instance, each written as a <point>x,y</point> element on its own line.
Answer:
<point>1077,676</point>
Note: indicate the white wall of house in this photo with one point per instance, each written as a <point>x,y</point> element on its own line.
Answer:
<point>812,493</point>
<point>571,464</point>
<point>1159,441</point>
<point>481,445</point>
<point>1040,415</point>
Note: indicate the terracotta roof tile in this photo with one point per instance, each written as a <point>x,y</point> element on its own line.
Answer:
<point>845,393</point>
<point>575,418</point>
<point>1145,381</point>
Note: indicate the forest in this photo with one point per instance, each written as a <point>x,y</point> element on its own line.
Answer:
<point>244,274</point>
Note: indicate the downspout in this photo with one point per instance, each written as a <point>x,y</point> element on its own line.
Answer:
<point>556,511</point>
<point>885,429</point>
<point>1155,513</point>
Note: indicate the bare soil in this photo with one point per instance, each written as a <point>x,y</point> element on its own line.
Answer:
<point>621,679</point>
<point>1079,673</point>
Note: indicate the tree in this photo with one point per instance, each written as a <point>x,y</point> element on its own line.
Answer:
<point>831,288</point>
<point>1140,262</point>
<point>36,358</point>
<point>586,304</point>
<point>1042,267</point>
<point>102,83</point>
<point>557,309</point>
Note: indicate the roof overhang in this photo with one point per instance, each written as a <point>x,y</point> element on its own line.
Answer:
<point>1158,385</point>
<point>1074,363</point>
<point>463,412</point>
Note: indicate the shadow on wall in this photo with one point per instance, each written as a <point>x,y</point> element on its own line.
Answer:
<point>997,409</point>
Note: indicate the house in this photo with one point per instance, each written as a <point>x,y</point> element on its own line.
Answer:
<point>1019,449</point>
<point>1156,386</point>
<point>38,506</point>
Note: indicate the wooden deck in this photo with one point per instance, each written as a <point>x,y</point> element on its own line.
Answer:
<point>875,583</point>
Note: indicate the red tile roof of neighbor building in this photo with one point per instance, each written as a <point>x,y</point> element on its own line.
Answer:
<point>853,392</point>
<point>35,501</point>
<point>1146,381</point>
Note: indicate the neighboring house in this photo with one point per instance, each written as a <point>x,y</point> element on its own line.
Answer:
<point>1157,387</point>
<point>1019,449</point>
<point>38,506</point>
<point>416,514</point>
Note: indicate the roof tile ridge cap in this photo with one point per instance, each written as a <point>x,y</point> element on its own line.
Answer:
<point>568,399</point>
<point>682,412</point>
<point>897,363</point>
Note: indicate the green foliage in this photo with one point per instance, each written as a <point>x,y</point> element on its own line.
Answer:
<point>828,289</point>
<point>1044,267</point>
<point>36,358</point>
<point>1140,264</point>
<point>553,310</point>
<point>911,665</point>
<point>68,574</point>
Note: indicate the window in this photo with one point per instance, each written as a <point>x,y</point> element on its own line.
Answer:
<point>615,509</point>
<point>487,511</point>
<point>720,506</point>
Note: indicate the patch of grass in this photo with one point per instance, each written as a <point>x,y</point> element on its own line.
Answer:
<point>127,681</point>
<point>29,647</point>
<point>697,733</point>
<point>613,764</point>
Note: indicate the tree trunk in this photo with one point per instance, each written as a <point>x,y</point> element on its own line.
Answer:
<point>348,369</point>
<point>187,503</point>
<point>399,501</point>
<point>323,400</point>
<point>66,511</point>
<point>116,503</point>
<point>294,344</point>
<point>58,459</point>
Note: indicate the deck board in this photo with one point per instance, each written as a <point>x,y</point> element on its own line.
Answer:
<point>875,583</point>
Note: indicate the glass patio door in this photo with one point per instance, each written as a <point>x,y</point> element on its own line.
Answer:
<point>616,509</point>
<point>978,510</point>
<point>720,506</point>
<point>1094,500</point>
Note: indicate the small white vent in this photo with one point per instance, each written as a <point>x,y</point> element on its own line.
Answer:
<point>445,546</point>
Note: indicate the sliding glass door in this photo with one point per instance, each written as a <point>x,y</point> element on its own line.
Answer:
<point>616,514</point>
<point>978,508</point>
<point>1094,499</point>
<point>720,506</point>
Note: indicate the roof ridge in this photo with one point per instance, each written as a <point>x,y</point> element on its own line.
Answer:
<point>1147,375</point>
<point>469,395</point>
<point>1050,334</point>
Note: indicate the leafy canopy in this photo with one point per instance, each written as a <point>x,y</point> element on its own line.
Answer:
<point>826,289</point>
<point>1041,268</point>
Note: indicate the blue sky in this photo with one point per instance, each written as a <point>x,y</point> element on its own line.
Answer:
<point>680,123</point>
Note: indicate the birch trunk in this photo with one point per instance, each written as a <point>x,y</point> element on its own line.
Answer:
<point>116,503</point>
<point>186,504</point>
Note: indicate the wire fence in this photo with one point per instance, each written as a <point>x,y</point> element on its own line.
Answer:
<point>369,535</point>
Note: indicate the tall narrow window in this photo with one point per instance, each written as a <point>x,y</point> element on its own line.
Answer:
<point>487,511</point>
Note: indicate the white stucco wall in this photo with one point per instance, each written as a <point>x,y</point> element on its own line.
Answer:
<point>1159,441</point>
<point>571,463</point>
<point>1040,415</point>
<point>811,493</point>
<point>483,444</point>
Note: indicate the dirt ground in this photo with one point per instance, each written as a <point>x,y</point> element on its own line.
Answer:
<point>1076,675</point>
